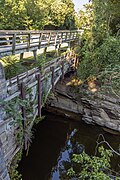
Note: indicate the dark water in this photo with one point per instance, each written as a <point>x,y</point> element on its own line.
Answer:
<point>54,141</point>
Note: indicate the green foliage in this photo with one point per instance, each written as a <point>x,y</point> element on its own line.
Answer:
<point>107,16</point>
<point>84,20</point>
<point>13,110</point>
<point>100,52</point>
<point>14,174</point>
<point>36,14</point>
<point>92,167</point>
<point>102,62</point>
<point>12,66</point>
<point>13,14</point>
<point>39,119</point>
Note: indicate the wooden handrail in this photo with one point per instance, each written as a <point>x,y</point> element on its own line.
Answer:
<point>20,41</point>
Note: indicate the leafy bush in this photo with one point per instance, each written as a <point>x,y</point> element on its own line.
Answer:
<point>92,167</point>
<point>103,62</point>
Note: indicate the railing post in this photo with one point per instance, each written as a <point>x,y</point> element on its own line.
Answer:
<point>62,70</point>
<point>56,40</point>
<point>13,43</point>
<point>22,95</point>
<point>61,37</point>
<point>49,38</point>
<point>40,39</point>
<point>28,43</point>
<point>39,95</point>
<point>66,36</point>
<point>52,79</point>
<point>70,35</point>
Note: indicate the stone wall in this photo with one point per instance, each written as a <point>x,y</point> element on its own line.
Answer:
<point>93,108</point>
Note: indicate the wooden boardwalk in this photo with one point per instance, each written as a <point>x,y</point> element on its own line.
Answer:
<point>22,97</point>
<point>18,42</point>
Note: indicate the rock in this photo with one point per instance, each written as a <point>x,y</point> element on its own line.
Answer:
<point>78,148</point>
<point>111,131</point>
<point>95,108</point>
<point>104,115</point>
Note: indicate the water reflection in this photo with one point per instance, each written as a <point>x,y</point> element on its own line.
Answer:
<point>55,141</point>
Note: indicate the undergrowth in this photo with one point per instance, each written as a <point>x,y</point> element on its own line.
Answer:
<point>14,66</point>
<point>102,62</point>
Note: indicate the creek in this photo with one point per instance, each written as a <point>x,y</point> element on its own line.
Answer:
<point>54,140</point>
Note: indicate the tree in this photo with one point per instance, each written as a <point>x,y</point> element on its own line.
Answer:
<point>36,14</point>
<point>13,14</point>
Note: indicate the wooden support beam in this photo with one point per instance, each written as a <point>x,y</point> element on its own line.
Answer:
<point>45,50</point>
<point>21,56</point>
<point>69,46</point>
<point>35,55</point>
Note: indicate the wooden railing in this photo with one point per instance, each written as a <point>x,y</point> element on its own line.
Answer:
<point>17,42</point>
<point>36,84</point>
